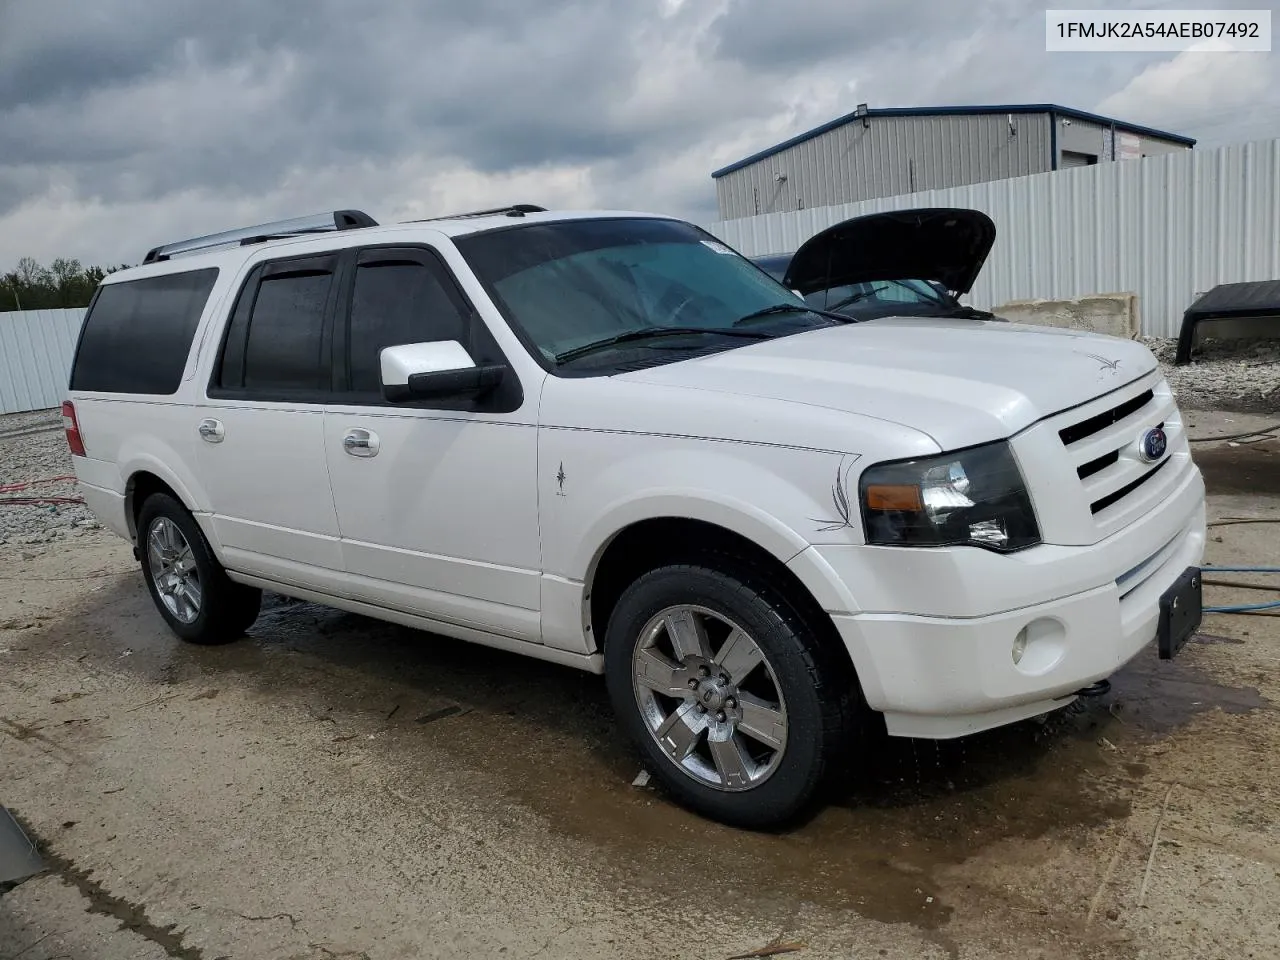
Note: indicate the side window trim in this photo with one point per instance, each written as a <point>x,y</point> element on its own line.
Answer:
<point>244,302</point>
<point>75,354</point>
<point>328,261</point>
<point>338,328</point>
<point>512,394</point>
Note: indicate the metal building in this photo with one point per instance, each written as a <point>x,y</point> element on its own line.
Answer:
<point>889,151</point>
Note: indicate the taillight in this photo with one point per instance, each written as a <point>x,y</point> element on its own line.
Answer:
<point>72,427</point>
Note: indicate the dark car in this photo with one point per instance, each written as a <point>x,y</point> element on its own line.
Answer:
<point>904,263</point>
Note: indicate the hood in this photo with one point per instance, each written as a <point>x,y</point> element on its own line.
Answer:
<point>945,245</point>
<point>962,382</point>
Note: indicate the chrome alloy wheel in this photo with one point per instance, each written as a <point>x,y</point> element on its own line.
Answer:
<point>173,569</point>
<point>709,698</point>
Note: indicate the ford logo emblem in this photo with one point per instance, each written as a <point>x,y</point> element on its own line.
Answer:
<point>1153,444</point>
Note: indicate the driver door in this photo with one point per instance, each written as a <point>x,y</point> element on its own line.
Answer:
<point>436,500</point>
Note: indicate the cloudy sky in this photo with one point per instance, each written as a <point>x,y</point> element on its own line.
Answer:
<point>127,123</point>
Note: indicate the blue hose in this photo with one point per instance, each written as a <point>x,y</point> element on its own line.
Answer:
<point>1243,607</point>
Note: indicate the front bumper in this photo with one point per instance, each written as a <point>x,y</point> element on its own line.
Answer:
<point>933,631</point>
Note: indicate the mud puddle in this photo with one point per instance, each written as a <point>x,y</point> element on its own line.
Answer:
<point>1155,697</point>
<point>544,736</point>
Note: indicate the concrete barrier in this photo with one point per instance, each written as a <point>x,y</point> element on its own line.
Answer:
<point>1115,314</point>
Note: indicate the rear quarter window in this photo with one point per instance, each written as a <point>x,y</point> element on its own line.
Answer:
<point>137,334</point>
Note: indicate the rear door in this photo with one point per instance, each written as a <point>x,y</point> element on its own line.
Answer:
<point>261,427</point>
<point>437,501</point>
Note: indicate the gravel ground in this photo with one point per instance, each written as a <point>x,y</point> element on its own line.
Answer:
<point>32,447</point>
<point>1226,375</point>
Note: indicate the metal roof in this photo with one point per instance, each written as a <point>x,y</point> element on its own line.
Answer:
<point>1050,108</point>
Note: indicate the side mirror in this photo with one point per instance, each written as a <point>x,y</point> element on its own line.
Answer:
<point>438,370</point>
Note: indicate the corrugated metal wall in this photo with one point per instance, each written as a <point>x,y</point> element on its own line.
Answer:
<point>893,155</point>
<point>1081,136</point>
<point>1165,228</point>
<point>36,347</point>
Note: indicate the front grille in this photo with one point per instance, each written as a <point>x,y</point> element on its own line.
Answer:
<point>1086,470</point>
<point>1096,424</point>
<point>1101,441</point>
<point>1101,481</point>
<point>1115,497</point>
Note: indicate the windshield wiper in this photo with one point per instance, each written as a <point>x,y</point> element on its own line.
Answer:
<point>649,333</point>
<point>778,308</point>
<point>855,298</point>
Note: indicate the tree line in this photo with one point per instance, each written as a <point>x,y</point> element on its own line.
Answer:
<point>64,283</point>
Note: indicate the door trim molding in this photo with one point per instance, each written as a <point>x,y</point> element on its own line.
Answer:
<point>591,663</point>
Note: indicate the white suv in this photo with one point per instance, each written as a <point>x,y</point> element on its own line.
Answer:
<point>609,441</point>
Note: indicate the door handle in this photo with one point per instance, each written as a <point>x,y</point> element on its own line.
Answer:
<point>211,430</point>
<point>360,443</point>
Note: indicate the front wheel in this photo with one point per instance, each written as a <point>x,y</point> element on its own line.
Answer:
<point>728,691</point>
<point>192,591</point>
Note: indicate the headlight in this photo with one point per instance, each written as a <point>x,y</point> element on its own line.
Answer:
<point>974,497</point>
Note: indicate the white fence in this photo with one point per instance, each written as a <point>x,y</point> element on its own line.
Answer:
<point>35,357</point>
<point>1165,228</point>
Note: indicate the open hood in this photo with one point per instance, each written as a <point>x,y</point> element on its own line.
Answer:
<point>948,246</point>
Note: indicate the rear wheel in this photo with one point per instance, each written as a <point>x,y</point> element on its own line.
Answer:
<point>192,591</point>
<point>728,692</point>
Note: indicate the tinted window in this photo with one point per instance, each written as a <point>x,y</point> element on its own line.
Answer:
<point>276,340</point>
<point>286,330</point>
<point>395,302</point>
<point>137,334</point>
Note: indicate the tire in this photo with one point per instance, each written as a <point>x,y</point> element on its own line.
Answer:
<point>221,610</point>
<point>733,773</point>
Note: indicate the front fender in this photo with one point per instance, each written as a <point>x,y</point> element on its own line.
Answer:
<point>693,503</point>
<point>596,484</point>
<point>773,496</point>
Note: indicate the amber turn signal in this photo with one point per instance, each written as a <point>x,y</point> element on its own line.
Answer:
<point>893,496</point>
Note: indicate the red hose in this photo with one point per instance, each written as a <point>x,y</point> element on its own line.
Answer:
<point>23,485</point>
<point>36,501</point>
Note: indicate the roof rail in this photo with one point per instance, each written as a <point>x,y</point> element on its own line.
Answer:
<point>514,210</point>
<point>319,223</point>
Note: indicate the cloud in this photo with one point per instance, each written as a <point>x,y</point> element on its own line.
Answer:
<point>127,123</point>
<point>774,37</point>
<point>1213,92</point>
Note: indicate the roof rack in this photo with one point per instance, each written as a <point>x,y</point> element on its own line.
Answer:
<point>514,210</point>
<point>318,223</point>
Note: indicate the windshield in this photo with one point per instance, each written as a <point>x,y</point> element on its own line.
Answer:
<point>620,283</point>
<point>871,292</point>
<point>879,291</point>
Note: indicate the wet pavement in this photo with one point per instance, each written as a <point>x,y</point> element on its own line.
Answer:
<point>334,786</point>
<point>1247,469</point>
